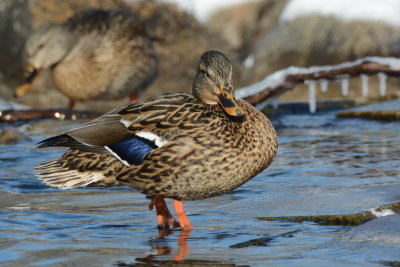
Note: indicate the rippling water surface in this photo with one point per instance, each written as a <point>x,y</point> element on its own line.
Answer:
<point>324,166</point>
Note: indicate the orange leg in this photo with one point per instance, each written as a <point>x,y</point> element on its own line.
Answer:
<point>164,217</point>
<point>133,97</point>
<point>71,103</point>
<point>180,212</point>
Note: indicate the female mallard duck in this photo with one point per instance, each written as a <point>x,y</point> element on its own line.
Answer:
<point>96,54</point>
<point>179,146</point>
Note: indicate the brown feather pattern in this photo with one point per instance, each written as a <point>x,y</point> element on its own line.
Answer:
<point>206,152</point>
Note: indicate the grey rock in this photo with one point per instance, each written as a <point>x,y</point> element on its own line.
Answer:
<point>11,135</point>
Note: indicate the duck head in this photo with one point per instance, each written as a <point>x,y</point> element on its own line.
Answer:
<point>44,49</point>
<point>213,83</point>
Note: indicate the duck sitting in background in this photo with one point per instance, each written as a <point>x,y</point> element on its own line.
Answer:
<point>95,54</point>
<point>179,146</point>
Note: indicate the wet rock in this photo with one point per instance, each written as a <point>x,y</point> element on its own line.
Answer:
<point>383,111</point>
<point>393,115</point>
<point>262,242</point>
<point>11,135</point>
<point>347,220</point>
<point>391,263</point>
<point>259,242</point>
<point>351,220</point>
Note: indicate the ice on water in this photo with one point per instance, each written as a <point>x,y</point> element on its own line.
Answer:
<point>324,85</point>
<point>345,85</point>
<point>312,100</point>
<point>382,83</point>
<point>364,84</point>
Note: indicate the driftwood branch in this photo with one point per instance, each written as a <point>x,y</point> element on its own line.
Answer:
<point>12,115</point>
<point>289,78</point>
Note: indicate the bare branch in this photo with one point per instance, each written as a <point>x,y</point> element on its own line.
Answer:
<point>285,80</point>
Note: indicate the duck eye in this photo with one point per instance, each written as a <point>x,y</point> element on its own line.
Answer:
<point>207,75</point>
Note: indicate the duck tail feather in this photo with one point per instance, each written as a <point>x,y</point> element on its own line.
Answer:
<point>62,140</point>
<point>54,174</point>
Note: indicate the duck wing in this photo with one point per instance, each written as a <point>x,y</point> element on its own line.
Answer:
<point>131,132</point>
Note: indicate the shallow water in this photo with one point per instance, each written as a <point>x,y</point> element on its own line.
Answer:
<point>324,166</point>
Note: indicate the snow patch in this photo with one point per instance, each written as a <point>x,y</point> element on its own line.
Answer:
<point>383,212</point>
<point>270,81</point>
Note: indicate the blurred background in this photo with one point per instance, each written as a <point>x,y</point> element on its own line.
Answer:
<point>326,164</point>
<point>259,37</point>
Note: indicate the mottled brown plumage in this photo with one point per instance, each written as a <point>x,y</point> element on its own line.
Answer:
<point>202,151</point>
<point>95,54</point>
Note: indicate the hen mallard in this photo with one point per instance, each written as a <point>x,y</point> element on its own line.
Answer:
<point>95,54</point>
<point>179,146</point>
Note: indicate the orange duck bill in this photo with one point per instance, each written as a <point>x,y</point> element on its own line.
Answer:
<point>229,103</point>
<point>30,73</point>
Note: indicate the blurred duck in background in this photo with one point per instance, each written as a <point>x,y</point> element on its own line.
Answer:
<point>95,54</point>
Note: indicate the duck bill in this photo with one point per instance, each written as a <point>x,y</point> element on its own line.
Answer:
<point>229,103</point>
<point>30,73</point>
<point>22,89</point>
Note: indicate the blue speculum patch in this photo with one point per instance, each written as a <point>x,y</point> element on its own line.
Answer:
<point>133,149</point>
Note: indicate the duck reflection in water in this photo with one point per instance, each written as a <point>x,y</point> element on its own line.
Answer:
<point>162,245</point>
